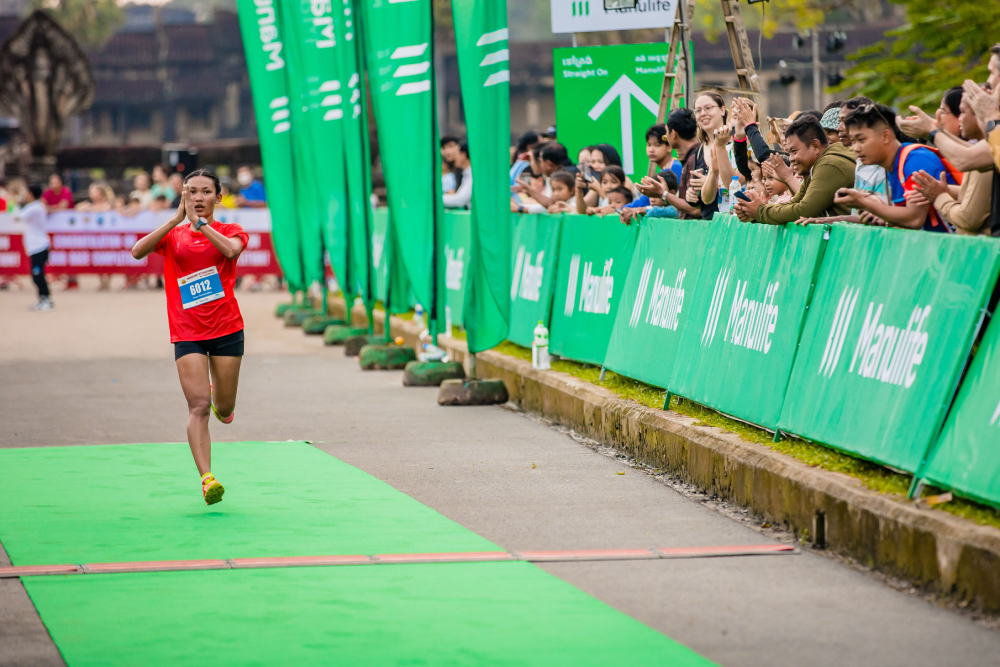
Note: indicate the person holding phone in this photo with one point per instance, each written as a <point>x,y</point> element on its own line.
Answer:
<point>592,193</point>
<point>206,326</point>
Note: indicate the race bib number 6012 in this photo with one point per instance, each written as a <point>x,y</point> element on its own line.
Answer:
<point>200,287</point>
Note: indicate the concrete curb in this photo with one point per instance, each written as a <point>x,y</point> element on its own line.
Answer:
<point>935,550</point>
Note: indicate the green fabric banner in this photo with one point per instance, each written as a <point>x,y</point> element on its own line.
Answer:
<point>263,41</point>
<point>483,61</point>
<point>313,85</point>
<point>967,458</point>
<point>536,244</point>
<point>595,254</point>
<point>359,279</point>
<point>728,301</point>
<point>889,330</point>
<point>457,242</point>
<point>399,52</point>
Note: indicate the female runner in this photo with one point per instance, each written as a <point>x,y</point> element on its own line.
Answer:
<point>206,327</point>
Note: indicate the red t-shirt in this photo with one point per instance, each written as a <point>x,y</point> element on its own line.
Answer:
<point>186,252</point>
<point>52,198</point>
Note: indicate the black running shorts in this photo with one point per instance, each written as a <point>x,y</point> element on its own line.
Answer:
<point>230,345</point>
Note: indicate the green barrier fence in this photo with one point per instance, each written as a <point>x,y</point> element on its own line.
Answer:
<point>457,239</point>
<point>380,224</point>
<point>890,327</point>
<point>595,256</point>
<point>716,310</point>
<point>967,458</point>
<point>654,313</point>
<point>535,246</point>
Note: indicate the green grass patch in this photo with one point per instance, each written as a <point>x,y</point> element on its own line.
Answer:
<point>872,475</point>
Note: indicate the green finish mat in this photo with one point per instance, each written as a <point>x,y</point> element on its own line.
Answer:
<point>368,615</point>
<point>115,503</point>
<point>142,502</point>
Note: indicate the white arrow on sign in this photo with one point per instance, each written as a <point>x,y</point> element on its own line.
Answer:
<point>624,90</point>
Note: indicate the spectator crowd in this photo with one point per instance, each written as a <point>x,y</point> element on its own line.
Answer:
<point>157,191</point>
<point>856,161</point>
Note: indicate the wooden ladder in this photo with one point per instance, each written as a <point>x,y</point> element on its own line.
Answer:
<point>739,45</point>
<point>678,68</point>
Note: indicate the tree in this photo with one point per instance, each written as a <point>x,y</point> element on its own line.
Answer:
<point>90,22</point>
<point>942,43</point>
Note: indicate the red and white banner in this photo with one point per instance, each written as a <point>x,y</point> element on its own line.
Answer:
<point>102,242</point>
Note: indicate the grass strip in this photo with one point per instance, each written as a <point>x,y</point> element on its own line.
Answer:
<point>872,475</point>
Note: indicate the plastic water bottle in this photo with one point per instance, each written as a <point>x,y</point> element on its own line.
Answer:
<point>734,187</point>
<point>421,321</point>
<point>432,353</point>
<point>540,348</point>
<point>723,199</point>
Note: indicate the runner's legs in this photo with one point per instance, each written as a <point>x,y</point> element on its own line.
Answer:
<point>193,372</point>
<point>225,378</point>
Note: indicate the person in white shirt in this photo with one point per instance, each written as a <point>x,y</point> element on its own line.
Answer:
<point>461,197</point>
<point>36,242</point>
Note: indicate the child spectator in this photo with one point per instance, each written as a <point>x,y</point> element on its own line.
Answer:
<point>562,183</point>
<point>613,177</point>
<point>659,151</point>
<point>777,191</point>
<point>657,208</point>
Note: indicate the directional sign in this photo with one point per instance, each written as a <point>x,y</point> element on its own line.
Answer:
<point>592,16</point>
<point>609,95</point>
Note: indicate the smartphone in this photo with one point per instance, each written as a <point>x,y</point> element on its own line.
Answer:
<point>587,176</point>
<point>739,194</point>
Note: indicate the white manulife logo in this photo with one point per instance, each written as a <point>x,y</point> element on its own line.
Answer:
<point>455,267</point>
<point>527,277</point>
<point>715,307</point>
<point>495,56</point>
<point>752,322</point>
<point>574,273</point>
<point>640,294</point>
<point>667,301</point>
<point>883,352</point>
<point>279,115</point>
<point>413,69</point>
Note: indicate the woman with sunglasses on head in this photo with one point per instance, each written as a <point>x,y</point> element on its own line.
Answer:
<point>206,327</point>
<point>716,136</point>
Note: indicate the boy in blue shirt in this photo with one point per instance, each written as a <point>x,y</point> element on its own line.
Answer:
<point>876,140</point>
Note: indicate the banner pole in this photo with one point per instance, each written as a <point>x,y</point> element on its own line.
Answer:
<point>435,193</point>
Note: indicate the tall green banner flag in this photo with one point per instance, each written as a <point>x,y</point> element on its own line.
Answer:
<point>483,65</point>
<point>399,46</point>
<point>359,279</point>
<point>316,91</point>
<point>263,41</point>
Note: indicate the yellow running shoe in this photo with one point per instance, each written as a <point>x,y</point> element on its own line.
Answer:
<point>224,420</point>
<point>211,489</point>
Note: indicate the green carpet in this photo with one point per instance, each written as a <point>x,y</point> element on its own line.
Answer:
<point>115,503</point>
<point>493,614</point>
<point>142,502</point>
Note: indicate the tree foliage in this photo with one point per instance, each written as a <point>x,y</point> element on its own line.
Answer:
<point>90,22</point>
<point>942,43</point>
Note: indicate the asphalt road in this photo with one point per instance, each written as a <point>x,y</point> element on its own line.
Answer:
<point>99,370</point>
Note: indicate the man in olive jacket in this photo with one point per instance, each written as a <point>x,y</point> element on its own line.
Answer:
<point>824,167</point>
